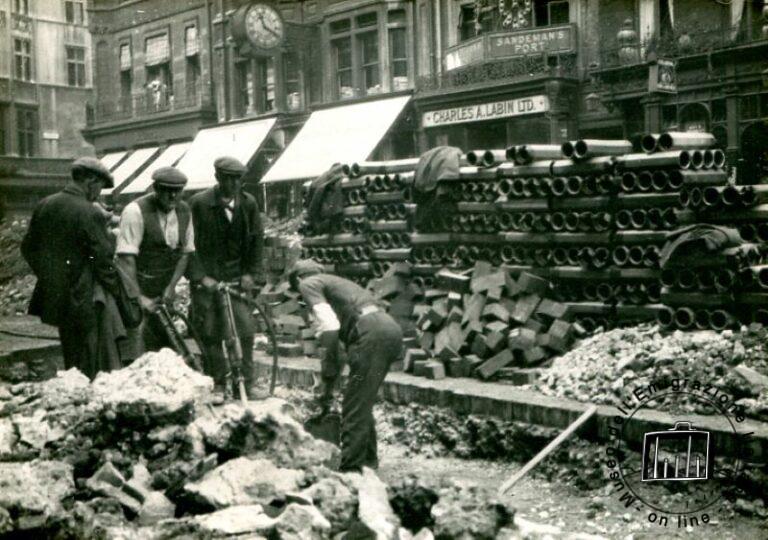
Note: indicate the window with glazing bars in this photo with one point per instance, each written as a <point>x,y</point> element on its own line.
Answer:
<point>22,59</point>
<point>76,66</point>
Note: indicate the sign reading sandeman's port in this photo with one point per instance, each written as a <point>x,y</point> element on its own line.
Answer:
<point>486,111</point>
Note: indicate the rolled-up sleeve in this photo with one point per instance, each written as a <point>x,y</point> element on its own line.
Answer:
<point>189,239</point>
<point>131,231</point>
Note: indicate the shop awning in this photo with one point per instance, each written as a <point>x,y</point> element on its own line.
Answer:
<point>240,141</point>
<point>112,159</point>
<point>129,167</point>
<point>168,158</point>
<point>342,134</point>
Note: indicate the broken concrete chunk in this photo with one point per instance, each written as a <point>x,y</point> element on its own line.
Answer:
<point>374,510</point>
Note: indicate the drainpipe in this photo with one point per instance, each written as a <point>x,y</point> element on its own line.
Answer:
<point>225,61</point>
<point>439,38</point>
<point>211,78</point>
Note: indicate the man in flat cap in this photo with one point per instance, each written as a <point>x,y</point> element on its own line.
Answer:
<point>228,249</point>
<point>69,251</point>
<point>348,313</point>
<point>154,243</point>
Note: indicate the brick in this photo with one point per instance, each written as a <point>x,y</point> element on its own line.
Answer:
<point>419,367</point>
<point>494,295</point>
<point>752,377</point>
<point>451,281</point>
<point>471,363</point>
<point>495,341</point>
<point>510,285</point>
<point>495,312</point>
<point>480,347</point>
<point>437,315</point>
<point>532,284</point>
<point>447,354</point>
<point>481,268</point>
<point>492,365</point>
<point>427,341</point>
<point>309,347</point>
<point>455,315</point>
<point>410,342</point>
<point>519,376</point>
<point>455,335</point>
<point>442,340</point>
<point>473,308</point>
<point>525,307</point>
<point>471,330</point>
<point>430,369</point>
<point>496,326</point>
<point>560,336</point>
<point>420,310</point>
<point>432,294</point>
<point>308,333</point>
<point>455,367</point>
<point>534,355</point>
<point>412,356</point>
<point>552,310</point>
<point>536,326</point>
<point>521,338</point>
<point>396,366</point>
<point>388,287</point>
<point>454,300</point>
<point>480,283</point>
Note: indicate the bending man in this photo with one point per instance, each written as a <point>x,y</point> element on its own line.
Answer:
<point>348,313</point>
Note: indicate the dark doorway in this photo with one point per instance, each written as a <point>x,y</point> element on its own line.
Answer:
<point>753,165</point>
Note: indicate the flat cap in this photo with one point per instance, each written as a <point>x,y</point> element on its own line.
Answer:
<point>93,165</point>
<point>228,165</point>
<point>169,177</point>
<point>305,267</point>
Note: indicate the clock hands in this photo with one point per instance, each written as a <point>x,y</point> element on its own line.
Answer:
<point>267,27</point>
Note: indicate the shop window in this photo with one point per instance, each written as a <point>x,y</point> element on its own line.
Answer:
<point>266,71</point>
<point>750,106</point>
<point>22,59</point>
<point>369,54</point>
<point>73,12</point>
<point>21,7</point>
<point>669,116</point>
<point>26,131</point>
<point>467,22</point>
<point>76,66</point>
<point>292,76</point>
<point>158,66</point>
<point>245,89</point>
<point>719,110</point>
<point>551,12</point>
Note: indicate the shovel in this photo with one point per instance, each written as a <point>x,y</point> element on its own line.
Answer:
<point>326,427</point>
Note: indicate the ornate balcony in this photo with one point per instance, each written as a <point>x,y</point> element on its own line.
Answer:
<point>153,103</point>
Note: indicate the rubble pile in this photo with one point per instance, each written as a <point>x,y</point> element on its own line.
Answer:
<point>16,279</point>
<point>142,453</point>
<point>604,367</point>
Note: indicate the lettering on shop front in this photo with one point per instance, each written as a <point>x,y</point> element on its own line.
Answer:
<point>486,111</point>
<point>531,42</point>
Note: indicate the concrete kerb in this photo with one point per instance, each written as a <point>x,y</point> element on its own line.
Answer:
<point>470,396</point>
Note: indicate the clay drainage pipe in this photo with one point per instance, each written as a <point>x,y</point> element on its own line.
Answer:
<point>665,317</point>
<point>720,320</point>
<point>684,318</point>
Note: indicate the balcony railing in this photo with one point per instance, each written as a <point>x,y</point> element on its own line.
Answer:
<point>152,102</point>
<point>679,43</point>
<point>504,70</point>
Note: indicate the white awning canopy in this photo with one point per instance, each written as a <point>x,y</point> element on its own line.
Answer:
<point>342,134</point>
<point>129,167</point>
<point>112,159</point>
<point>240,141</point>
<point>168,158</point>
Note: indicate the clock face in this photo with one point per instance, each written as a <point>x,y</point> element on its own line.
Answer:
<point>264,26</point>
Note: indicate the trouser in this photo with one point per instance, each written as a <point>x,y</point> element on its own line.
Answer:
<point>214,364</point>
<point>80,347</point>
<point>374,343</point>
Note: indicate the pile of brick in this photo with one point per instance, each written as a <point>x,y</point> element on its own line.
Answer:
<point>481,323</point>
<point>290,319</point>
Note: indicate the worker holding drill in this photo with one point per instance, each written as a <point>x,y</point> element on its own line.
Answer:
<point>228,251</point>
<point>348,313</point>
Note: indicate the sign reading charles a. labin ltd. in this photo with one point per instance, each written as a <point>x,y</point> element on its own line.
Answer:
<point>559,39</point>
<point>486,111</point>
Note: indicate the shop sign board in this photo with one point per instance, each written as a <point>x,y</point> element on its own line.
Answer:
<point>662,76</point>
<point>486,111</point>
<point>498,45</point>
<point>558,39</point>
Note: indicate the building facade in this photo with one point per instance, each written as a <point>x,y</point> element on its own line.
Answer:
<point>46,87</point>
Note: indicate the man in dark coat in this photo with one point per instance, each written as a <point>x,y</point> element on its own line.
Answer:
<point>154,244</point>
<point>69,251</point>
<point>228,249</point>
<point>348,313</point>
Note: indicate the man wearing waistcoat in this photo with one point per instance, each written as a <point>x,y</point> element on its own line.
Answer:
<point>155,241</point>
<point>228,249</point>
